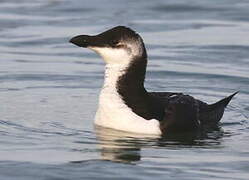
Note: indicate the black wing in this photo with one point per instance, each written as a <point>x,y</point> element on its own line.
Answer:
<point>183,112</point>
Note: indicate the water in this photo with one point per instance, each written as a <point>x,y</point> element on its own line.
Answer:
<point>49,89</point>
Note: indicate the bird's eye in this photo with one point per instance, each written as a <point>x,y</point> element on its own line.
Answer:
<point>114,42</point>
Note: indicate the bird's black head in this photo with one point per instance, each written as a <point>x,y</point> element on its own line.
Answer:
<point>113,38</point>
<point>117,45</point>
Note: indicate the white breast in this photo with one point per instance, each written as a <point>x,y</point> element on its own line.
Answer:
<point>114,113</point>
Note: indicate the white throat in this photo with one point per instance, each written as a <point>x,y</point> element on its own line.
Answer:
<point>114,113</point>
<point>114,56</point>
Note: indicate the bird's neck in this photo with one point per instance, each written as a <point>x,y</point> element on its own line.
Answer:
<point>132,81</point>
<point>126,78</point>
<point>124,86</point>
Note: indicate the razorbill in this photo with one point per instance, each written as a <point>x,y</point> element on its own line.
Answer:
<point>124,103</point>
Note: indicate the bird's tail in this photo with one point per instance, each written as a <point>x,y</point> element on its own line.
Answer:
<point>222,103</point>
<point>214,112</point>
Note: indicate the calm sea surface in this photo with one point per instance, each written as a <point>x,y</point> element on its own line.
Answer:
<point>49,89</point>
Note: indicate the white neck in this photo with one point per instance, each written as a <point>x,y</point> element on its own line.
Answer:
<point>112,74</point>
<point>114,113</point>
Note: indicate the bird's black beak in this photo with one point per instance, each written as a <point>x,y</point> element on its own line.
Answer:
<point>82,40</point>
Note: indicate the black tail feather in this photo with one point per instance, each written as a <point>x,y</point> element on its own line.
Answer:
<point>222,103</point>
<point>213,113</point>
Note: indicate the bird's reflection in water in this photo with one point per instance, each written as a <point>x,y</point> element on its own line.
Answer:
<point>126,147</point>
<point>121,146</point>
<point>208,138</point>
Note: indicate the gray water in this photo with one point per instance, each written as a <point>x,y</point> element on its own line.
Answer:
<point>49,89</point>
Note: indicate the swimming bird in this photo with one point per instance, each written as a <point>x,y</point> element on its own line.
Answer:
<point>125,104</point>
